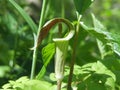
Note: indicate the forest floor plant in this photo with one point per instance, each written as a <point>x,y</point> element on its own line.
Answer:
<point>91,76</point>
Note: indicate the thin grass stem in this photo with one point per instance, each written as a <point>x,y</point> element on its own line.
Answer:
<point>36,39</point>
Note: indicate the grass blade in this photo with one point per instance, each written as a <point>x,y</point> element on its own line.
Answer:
<point>25,16</point>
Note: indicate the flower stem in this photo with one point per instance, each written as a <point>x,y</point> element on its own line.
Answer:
<point>59,84</point>
<point>74,54</point>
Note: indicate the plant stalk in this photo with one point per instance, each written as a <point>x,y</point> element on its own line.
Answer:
<point>36,40</point>
<point>59,84</point>
<point>74,54</point>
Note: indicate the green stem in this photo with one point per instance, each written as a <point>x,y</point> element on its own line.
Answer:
<point>41,16</point>
<point>73,55</point>
<point>35,42</point>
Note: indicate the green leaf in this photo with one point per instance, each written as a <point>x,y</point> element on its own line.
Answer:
<point>100,68</point>
<point>116,43</point>
<point>19,86</point>
<point>99,28</point>
<point>108,40</point>
<point>3,70</point>
<point>99,34</point>
<point>110,83</point>
<point>96,86</point>
<point>22,79</point>
<point>37,85</point>
<point>52,77</point>
<point>6,86</point>
<point>25,16</point>
<point>101,47</point>
<point>82,5</point>
<point>47,54</point>
<point>27,84</point>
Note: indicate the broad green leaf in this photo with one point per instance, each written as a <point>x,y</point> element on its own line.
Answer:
<point>100,68</point>
<point>110,83</point>
<point>52,77</point>
<point>41,73</point>
<point>101,47</point>
<point>47,54</point>
<point>22,79</point>
<point>25,16</point>
<point>94,74</point>
<point>108,40</point>
<point>111,39</point>
<point>6,86</point>
<point>116,43</point>
<point>99,34</point>
<point>96,86</point>
<point>116,48</point>
<point>27,84</point>
<point>18,86</point>
<point>37,85</point>
<point>82,5</point>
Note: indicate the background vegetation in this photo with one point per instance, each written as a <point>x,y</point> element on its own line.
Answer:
<point>16,40</point>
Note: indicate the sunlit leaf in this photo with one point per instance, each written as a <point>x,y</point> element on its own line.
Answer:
<point>18,86</point>
<point>22,79</point>
<point>47,55</point>
<point>106,38</point>
<point>101,47</point>
<point>48,52</point>
<point>110,83</point>
<point>37,85</point>
<point>6,86</point>
<point>100,68</point>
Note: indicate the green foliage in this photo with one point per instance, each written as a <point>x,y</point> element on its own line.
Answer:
<point>93,76</point>
<point>100,33</point>
<point>82,5</point>
<point>24,15</point>
<point>24,83</point>
<point>47,56</point>
<point>97,53</point>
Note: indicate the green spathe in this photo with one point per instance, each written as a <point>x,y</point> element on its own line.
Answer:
<point>61,45</point>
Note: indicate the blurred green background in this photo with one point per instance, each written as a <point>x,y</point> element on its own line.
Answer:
<point>16,36</point>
